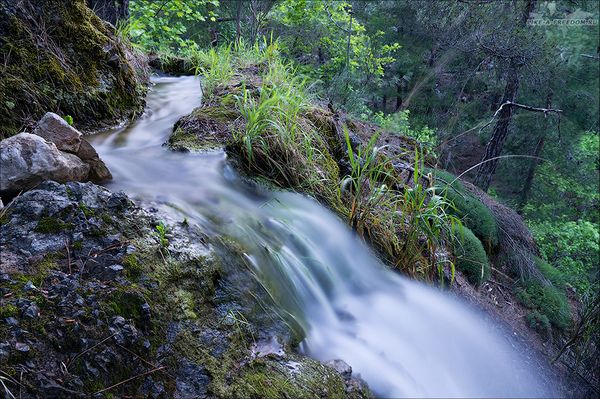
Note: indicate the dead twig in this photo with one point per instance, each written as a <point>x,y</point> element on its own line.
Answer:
<point>143,360</point>
<point>68,255</point>
<point>130,379</point>
<point>88,349</point>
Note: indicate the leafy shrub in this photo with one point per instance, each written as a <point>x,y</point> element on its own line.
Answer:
<point>539,322</point>
<point>572,248</point>
<point>474,214</point>
<point>399,123</point>
<point>471,258</point>
<point>555,276</point>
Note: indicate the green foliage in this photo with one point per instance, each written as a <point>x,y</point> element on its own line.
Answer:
<point>473,213</point>
<point>426,214</point>
<point>164,26</point>
<point>315,33</point>
<point>215,65</point>
<point>398,122</point>
<point>421,213</point>
<point>572,248</point>
<point>161,234</point>
<point>539,322</point>
<point>69,119</point>
<point>368,172</point>
<point>277,140</point>
<point>471,258</point>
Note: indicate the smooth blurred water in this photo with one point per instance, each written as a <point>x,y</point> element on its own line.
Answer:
<point>403,338</point>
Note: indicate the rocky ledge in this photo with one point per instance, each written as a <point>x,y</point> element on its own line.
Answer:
<point>101,298</point>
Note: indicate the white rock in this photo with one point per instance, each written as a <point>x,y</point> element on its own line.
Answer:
<point>27,159</point>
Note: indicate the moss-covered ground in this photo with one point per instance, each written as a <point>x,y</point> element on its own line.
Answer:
<point>57,55</point>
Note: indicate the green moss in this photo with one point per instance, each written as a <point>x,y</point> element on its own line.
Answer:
<point>206,128</point>
<point>547,300</point>
<point>86,211</point>
<point>474,214</point>
<point>551,273</point>
<point>133,269</point>
<point>106,218</point>
<point>471,258</point>
<point>49,225</point>
<point>4,216</point>
<point>127,302</point>
<point>8,310</point>
<point>78,245</point>
<point>62,73</point>
<point>264,378</point>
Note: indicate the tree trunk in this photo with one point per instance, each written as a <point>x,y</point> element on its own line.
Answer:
<point>110,10</point>
<point>539,147</point>
<point>398,96</point>
<point>238,25</point>
<point>486,170</point>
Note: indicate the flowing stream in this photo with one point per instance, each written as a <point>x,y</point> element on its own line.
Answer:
<point>403,338</point>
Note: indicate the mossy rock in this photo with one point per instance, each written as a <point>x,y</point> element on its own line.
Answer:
<point>80,68</point>
<point>471,258</point>
<point>474,214</point>
<point>265,378</point>
<point>206,128</point>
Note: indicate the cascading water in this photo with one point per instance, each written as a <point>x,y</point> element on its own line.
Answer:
<point>403,338</point>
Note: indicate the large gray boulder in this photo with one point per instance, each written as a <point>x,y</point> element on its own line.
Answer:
<point>55,129</point>
<point>27,159</point>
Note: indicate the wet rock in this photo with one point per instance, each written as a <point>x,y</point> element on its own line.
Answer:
<point>192,381</point>
<point>55,129</point>
<point>32,311</point>
<point>21,347</point>
<point>124,333</point>
<point>29,287</point>
<point>270,347</point>
<point>114,271</point>
<point>4,351</point>
<point>153,389</point>
<point>118,324</point>
<point>98,170</point>
<point>27,159</point>
<point>341,367</point>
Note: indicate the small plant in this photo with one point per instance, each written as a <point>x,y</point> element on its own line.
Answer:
<point>69,120</point>
<point>369,171</point>
<point>161,233</point>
